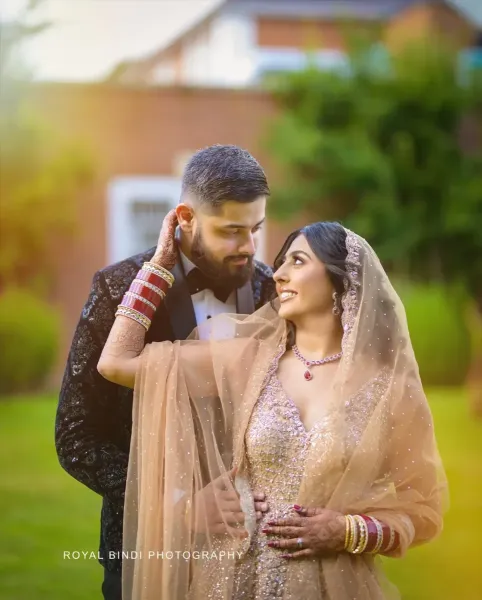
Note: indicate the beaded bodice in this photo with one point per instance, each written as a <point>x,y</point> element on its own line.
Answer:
<point>276,445</point>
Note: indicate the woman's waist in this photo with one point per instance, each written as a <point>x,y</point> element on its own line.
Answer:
<point>281,485</point>
<point>277,509</point>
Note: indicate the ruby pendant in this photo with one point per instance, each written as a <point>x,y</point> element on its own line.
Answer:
<point>308,375</point>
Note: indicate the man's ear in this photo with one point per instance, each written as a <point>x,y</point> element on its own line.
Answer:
<point>185,217</point>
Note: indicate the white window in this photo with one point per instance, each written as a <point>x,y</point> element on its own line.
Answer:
<point>136,208</point>
<point>276,60</point>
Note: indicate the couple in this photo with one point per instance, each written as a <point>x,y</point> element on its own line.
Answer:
<point>278,448</point>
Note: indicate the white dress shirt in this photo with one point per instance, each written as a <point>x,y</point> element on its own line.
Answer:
<point>205,303</point>
<point>206,306</point>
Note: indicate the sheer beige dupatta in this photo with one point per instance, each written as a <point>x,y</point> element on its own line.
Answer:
<point>375,452</point>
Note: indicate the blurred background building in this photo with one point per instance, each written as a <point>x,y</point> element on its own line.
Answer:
<point>241,41</point>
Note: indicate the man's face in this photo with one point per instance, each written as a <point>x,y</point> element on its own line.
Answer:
<point>224,242</point>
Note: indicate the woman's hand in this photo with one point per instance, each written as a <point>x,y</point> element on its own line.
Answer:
<point>165,254</point>
<point>311,532</point>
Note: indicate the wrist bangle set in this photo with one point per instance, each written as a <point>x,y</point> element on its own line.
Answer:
<point>369,535</point>
<point>145,294</point>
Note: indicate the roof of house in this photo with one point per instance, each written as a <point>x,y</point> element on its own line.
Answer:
<point>376,10</point>
<point>471,9</point>
<point>361,9</point>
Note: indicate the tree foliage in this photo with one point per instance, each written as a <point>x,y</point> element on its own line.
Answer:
<point>41,172</point>
<point>384,147</point>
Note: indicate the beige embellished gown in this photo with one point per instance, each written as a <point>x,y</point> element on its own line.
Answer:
<point>276,444</point>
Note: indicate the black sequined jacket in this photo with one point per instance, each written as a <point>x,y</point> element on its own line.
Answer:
<point>94,416</point>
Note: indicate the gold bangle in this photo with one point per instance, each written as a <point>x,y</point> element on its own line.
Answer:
<point>354,534</point>
<point>365,529</point>
<point>353,539</point>
<point>161,271</point>
<point>358,537</point>
<point>347,531</point>
<point>363,541</point>
<point>130,313</point>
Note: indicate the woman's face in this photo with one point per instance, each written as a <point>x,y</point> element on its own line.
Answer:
<point>302,283</point>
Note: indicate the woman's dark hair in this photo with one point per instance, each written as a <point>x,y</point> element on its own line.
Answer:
<point>327,240</point>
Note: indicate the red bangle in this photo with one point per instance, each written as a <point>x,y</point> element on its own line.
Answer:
<point>387,538</point>
<point>372,533</point>
<point>154,279</point>
<point>396,543</point>
<point>391,539</point>
<point>145,292</point>
<point>139,306</point>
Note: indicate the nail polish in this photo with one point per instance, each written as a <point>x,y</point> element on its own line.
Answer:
<point>265,530</point>
<point>296,507</point>
<point>272,544</point>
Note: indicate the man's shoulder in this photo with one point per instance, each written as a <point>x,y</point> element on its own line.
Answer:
<point>262,283</point>
<point>119,275</point>
<point>262,271</point>
<point>130,263</point>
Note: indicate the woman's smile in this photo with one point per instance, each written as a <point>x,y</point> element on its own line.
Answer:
<point>285,295</point>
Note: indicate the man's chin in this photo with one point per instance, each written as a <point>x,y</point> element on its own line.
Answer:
<point>241,274</point>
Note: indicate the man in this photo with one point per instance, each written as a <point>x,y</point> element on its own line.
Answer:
<point>224,193</point>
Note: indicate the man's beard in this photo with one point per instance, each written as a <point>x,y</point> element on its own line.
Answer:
<point>234,276</point>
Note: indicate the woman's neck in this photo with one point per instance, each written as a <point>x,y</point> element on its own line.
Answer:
<point>320,336</point>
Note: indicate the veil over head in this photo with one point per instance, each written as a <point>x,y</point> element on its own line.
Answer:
<point>375,453</point>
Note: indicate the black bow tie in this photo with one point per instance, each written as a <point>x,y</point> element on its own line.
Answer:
<point>197,282</point>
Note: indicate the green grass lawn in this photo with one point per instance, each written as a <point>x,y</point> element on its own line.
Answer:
<point>44,512</point>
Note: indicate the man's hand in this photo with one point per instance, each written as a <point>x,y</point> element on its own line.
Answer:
<point>165,254</point>
<point>311,532</point>
<point>260,505</point>
<point>217,508</point>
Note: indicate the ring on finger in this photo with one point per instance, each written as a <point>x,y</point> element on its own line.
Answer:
<point>299,542</point>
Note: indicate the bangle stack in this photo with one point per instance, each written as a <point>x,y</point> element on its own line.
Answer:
<point>145,294</point>
<point>368,535</point>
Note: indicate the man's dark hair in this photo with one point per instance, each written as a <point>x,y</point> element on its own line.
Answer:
<point>219,173</point>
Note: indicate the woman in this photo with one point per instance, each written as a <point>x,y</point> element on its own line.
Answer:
<point>316,400</point>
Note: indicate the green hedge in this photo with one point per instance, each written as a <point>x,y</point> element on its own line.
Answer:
<point>29,337</point>
<point>440,335</point>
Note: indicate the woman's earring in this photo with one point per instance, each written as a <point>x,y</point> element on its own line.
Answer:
<point>336,308</point>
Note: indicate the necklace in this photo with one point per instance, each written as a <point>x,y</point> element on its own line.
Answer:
<point>308,375</point>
